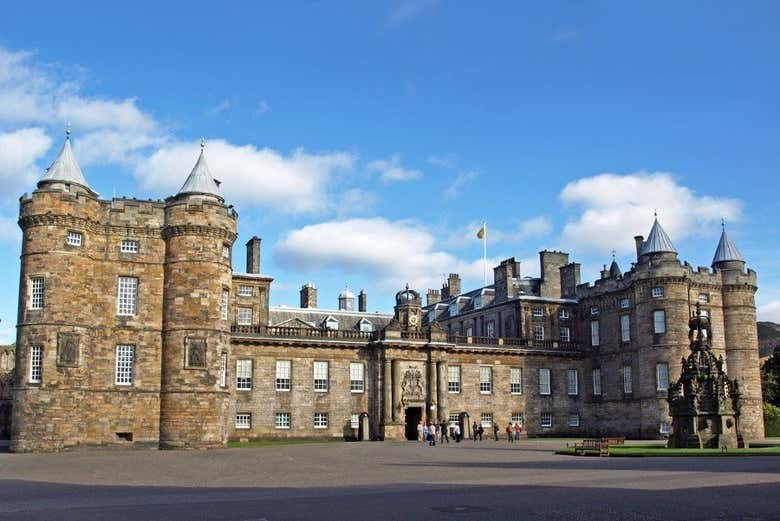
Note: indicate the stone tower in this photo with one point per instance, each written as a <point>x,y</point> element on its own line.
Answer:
<point>72,323</point>
<point>741,335</point>
<point>346,300</point>
<point>408,309</point>
<point>199,232</point>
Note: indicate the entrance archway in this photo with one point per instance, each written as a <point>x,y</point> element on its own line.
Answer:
<point>412,415</point>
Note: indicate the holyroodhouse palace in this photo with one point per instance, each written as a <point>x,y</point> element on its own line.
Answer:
<point>134,330</point>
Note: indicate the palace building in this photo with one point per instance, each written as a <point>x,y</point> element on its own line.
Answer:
<point>134,330</point>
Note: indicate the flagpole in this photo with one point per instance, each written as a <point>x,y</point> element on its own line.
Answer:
<point>484,254</point>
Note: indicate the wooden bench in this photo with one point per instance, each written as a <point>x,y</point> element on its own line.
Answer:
<point>598,446</point>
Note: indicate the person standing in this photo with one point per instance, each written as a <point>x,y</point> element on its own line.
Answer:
<point>443,430</point>
<point>517,431</point>
<point>420,431</point>
<point>425,433</point>
<point>474,431</point>
<point>495,430</point>
<point>481,431</point>
<point>432,434</point>
<point>510,435</point>
<point>456,432</point>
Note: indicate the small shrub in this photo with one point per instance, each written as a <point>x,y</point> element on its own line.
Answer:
<point>771,420</point>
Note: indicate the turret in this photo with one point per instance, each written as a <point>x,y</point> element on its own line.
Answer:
<point>658,247</point>
<point>346,300</point>
<point>199,232</point>
<point>740,332</point>
<point>408,309</point>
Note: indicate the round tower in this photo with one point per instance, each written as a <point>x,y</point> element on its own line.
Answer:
<point>199,232</point>
<point>56,294</point>
<point>740,332</point>
<point>408,309</point>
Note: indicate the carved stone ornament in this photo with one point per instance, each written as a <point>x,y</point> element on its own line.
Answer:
<point>68,349</point>
<point>196,352</point>
<point>412,386</point>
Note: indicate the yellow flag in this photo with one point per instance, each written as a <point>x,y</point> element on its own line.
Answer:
<point>482,231</point>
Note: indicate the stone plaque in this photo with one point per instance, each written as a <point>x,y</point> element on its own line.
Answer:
<point>196,352</point>
<point>68,349</point>
<point>412,386</point>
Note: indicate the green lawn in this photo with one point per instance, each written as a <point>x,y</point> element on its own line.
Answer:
<point>280,441</point>
<point>656,450</point>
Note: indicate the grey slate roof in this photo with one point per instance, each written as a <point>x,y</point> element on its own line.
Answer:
<point>200,180</point>
<point>65,168</point>
<point>657,241</point>
<point>726,250</point>
<point>314,317</point>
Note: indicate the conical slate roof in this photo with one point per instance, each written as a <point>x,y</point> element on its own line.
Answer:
<point>657,241</point>
<point>726,250</point>
<point>64,168</point>
<point>614,270</point>
<point>200,180</point>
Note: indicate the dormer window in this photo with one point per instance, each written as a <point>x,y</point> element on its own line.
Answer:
<point>366,326</point>
<point>477,301</point>
<point>330,323</point>
<point>453,308</point>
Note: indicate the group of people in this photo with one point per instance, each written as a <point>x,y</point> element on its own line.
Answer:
<point>439,429</point>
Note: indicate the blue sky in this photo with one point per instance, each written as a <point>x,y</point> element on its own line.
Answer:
<point>366,141</point>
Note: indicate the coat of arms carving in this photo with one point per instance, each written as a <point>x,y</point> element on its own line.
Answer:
<point>412,386</point>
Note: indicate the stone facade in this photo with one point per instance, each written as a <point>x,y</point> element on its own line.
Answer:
<point>134,330</point>
<point>7,361</point>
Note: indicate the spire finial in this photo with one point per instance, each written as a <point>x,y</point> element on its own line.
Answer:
<point>202,143</point>
<point>613,255</point>
<point>407,286</point>
<point>67,130</point>
<point>722,224</point>
<point>655,213</point>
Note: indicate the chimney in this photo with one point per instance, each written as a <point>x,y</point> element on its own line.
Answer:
<point>570,279</point>
<point>433,296</point>
<point>639,241</point>
<point>308,295</point>
<point>362,301</point>
<point>253,255</point>
<point>453,283</point>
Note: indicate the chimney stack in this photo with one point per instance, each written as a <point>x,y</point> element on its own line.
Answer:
<point>362,301</point>
<point>253,255</point>
<point>308,295</point>
<point>453,283</point>
<point>639,241</point>
<point>434,296</point>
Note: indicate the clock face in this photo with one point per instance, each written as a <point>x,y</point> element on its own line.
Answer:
<point>413,320</point>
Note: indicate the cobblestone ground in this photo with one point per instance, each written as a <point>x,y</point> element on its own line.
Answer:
<point>367,481</point>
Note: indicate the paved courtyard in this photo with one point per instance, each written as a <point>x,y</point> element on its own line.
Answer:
<point>391,480</point>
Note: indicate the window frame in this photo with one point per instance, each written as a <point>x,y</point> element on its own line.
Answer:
<point>625,328</point>
<point>657,291</point>
<point>224,304</point>
<point>241,318</point>
<point>595,376</point>
<point>320,385</point>
<point>124,365</point>
<point>628,380</point>
<point>545,382</point>
<point>35,371</point>
<point>625,303</point>
<point>127,305</point>
<point>486,420</point>
<point>564,314</point>
<point>453,386</point>
<point>242,290</point>
<point>125,246</point>
<point>574,420</point>
<point>37,293</point>
<point>485,385</point>
<point>572,382</point>
<point>354,420</point>
<point>282,420</point>
<point>659,327</point>
<point>538,333</point>
<point>661,375</point>
<point>283,376</point>
<point>243,425</point>
<point>565,334</point>
<point>549,420</point>
<point>74,238</point>
<point>243,382</point>
<point>320,420</point>
<point>516,380</point>
<point>357,385</point>
<point>537,311</point>
<point>223,369</point>
<point>595,333</point>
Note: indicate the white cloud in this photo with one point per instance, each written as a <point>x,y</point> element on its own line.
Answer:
<point>460,180</point>
<point>612,208</point>
<point>19,150</point>
<point>263,107</point>
<point>769,312</point>
<point>220,107</point>
<point>295,183</point>
<point>39,94</point>
<point>394,252</point>
<point>391,170</point>
<point>445,161</point>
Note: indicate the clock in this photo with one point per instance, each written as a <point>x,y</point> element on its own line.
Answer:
<point>412,320</point>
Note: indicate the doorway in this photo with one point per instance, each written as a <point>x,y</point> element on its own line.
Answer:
<point>413,416</point>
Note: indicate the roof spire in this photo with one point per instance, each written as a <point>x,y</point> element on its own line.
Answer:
<point>722,224</point>
<point>657,240</point>
<point>200,180</point>
<point>64,168</point>
<point>726,250</point>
